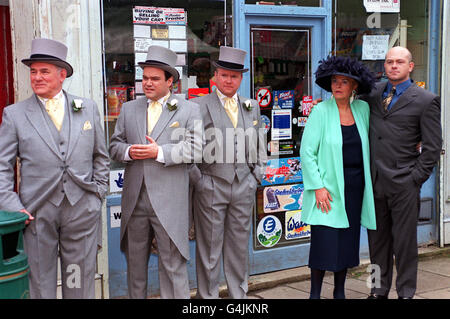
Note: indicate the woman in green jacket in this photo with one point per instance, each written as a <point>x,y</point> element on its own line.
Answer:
<point>335,159</point>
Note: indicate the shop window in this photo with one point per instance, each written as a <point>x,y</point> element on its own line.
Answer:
<point>202,27</point>
<point>298,3</point>
<point>366,35</point>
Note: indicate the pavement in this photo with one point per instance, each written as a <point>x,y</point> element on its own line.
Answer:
<point>433,280</point>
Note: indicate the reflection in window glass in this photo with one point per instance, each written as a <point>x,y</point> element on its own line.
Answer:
<point>352,23</point>
<point>197,44</point>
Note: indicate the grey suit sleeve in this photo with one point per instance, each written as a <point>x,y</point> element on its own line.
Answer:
<point>189,148</point>
<point>100,156</point>
<point>9,143</point>
<point>119,145</point>
<point>430,127</point>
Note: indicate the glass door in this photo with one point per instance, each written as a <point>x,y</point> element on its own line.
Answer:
<point>281,82</point>
<point>284,52</point>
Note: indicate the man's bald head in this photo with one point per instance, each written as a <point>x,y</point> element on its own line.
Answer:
<point>398,65</point>
<point>400,51</point>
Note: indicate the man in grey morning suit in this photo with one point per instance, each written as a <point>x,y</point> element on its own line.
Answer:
<point>155,137</point>
<point>64,175</point>
<point>402,115</point>
<point>226,179</point>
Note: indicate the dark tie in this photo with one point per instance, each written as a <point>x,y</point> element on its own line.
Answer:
<point>388,99</point>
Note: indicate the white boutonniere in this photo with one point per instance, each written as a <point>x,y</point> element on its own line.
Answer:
<point>248,105</point>
<point>172,106</point>
<point>77,105</point>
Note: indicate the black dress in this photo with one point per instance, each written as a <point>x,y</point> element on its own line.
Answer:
<point>335,249</point>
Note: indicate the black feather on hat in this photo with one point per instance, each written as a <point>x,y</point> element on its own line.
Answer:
<point>352,68</point>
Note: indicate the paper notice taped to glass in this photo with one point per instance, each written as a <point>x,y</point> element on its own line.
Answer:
<point>375,47</point>
<point>385,6</point>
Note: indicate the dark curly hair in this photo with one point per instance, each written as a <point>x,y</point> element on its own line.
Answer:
<point>352,68</point>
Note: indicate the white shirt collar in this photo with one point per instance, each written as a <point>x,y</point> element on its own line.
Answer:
<point>162,100</point>
<point>58,96</point>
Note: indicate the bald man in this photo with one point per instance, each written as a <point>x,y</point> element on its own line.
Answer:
<point>402,114</point>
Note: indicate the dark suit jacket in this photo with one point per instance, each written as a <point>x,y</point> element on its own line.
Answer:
<point>394,135</point>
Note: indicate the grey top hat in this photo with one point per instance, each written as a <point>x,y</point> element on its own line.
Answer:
<point>49,51</point>
<point>162,58</point>
<point>231,59</point>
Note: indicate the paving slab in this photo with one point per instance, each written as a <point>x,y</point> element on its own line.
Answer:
<point>281,292</point>
<point>435,294</point>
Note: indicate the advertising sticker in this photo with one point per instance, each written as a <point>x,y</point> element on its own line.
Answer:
<point>306,105</point>
<point>116,216</point>
<point>294,227</point>
<point>269,231</point>
<point>116,181</point>
<point>283,99</point>
<point>282,198</point>
<point>265,123</point>
<point>282,171</point>
<point>152,15</point>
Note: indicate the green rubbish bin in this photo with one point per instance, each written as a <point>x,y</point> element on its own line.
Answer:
<point>13,260</point>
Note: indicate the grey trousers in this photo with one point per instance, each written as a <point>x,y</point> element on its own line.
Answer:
<point>70,232</point>
<point>142,227</point>
<point>222,216</point>
<point>397,213</point>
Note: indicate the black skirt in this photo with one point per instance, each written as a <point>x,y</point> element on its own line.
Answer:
<point>334,249</point>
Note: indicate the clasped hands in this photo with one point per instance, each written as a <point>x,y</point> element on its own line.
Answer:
<point>144,151</point>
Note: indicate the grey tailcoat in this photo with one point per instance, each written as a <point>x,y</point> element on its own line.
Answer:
<point>24,133</point>
<point>167,184</point>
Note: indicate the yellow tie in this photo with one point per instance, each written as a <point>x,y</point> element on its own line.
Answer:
<point>55,110</point>
<point>153,114</point>
<point>232,110</point>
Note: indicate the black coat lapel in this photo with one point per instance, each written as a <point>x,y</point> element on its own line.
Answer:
<point>407,97</point>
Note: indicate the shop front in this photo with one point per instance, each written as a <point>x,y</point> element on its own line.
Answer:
<point>285,42</point>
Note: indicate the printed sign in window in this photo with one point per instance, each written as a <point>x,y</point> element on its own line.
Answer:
<point>281,125</point>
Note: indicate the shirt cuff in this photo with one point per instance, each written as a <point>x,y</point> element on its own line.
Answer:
<point>160,156</point>
<point>127,157</point>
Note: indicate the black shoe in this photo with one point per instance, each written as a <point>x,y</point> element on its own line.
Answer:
<point>404,297</point>
<point>375,296</point>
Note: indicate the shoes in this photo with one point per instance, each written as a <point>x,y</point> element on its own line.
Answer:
<point>375,296</point>
<point>404,297</point>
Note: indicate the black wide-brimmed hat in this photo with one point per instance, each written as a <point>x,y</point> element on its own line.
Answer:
<point>161,58</point>
<point>352,68</point>
<point>49,51</point>
<point>231,59</point>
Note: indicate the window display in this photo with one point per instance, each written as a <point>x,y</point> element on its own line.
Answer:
<point>193,29</point>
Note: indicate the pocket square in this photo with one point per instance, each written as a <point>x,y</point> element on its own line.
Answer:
<point>175,124</point>
<point>87,126</point>
<point>255,122</point>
